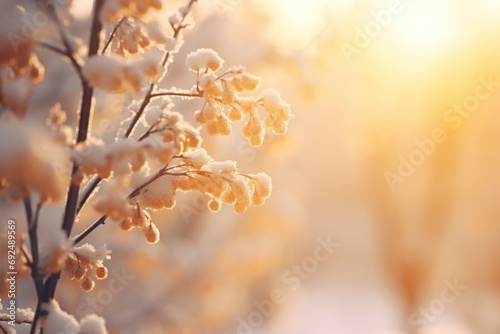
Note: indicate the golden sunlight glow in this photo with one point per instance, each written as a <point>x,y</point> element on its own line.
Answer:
<point>490,8</point>
<point>426,26</point>
<point>296,22</point>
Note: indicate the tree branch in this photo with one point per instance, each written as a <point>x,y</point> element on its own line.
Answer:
<point>6,319</point>
<point>28,209</point>
<point>169,93</point>
<point>84,234</point>
<point>112,35</point>
<point>53,48</point>
<point>35,263</point>
<point>84,123</point>
<point>83,129</point>
<point>147,98</point>
<point>88,192</point>
<point>102,220</point>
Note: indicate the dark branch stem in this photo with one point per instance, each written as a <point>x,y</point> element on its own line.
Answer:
<point>35,262</point>
<point>84,234</point>
<point>84,122</point>
<point>83,129</point>
<point>28,209</point>
<point>26,254</point>
<point>53,48</point>
<point>88,192</point>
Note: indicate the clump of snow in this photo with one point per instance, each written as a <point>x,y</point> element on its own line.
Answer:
<point>203,59</point>
<point>91,254</point>
<point>24,315</point>
<point>221,167</point>
<point>197,158</point>
<point>29,159</point>
<point>58,321</point>
<point>159,194</point>
<point>54,250</point>
<point>92,324</point>
<point>116,75</point>
<point>152,115</point>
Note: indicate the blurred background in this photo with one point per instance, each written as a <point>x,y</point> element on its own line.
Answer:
<point>393,155</point>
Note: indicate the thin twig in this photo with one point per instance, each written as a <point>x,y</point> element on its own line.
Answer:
<point>170,93</point>
<point>53,48</point>
<point>112,35</point>
<point>147,98</point>
<point>88,192</point>
<point>68,51</point>
<point>134,193</point>
<point>149,131</point>
<point>84,234</point>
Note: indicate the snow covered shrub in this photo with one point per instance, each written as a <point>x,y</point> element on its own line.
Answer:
<point>129,50</point>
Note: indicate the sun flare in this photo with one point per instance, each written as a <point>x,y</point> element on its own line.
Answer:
<point>426,26</point>
<point>296,23</point>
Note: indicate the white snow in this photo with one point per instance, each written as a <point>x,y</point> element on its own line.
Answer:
<point>203,59</point>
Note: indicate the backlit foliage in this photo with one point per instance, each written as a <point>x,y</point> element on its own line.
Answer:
<point>129,53</point>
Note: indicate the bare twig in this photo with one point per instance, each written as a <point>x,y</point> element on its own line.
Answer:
<point>53,48</point>
<point>84,234</point>
<point>167,56</point>
<point>88,192</point>
<point>169,93</point>
<point>67,53</point>
<point>112,35</point>
<point>68,49</point>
